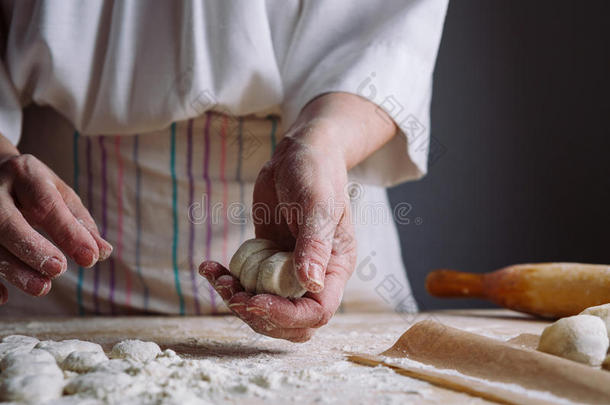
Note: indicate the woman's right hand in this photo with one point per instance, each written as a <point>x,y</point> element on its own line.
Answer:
<point>33,197</point>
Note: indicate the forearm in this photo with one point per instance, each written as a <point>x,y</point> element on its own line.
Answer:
<point>345,124</point>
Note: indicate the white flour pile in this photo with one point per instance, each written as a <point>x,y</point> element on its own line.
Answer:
<point>136,372</point>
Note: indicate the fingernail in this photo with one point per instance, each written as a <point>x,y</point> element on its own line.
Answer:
<point>37,286</point>
<point>86,256</point>
<point>315,282</point>
<point>52,266</point>
<point>105,251</point>
<point>257,311</point>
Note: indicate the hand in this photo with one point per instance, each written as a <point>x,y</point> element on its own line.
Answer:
<point>303,187</point>
<point>300,202</point>
<point>33,197</point>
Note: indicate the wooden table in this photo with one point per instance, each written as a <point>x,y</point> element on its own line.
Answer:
<point>317,368</point>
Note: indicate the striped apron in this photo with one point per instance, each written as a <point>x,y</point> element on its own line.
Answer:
<point>167,200</point>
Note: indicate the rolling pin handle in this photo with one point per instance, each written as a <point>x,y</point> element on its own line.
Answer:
<point>451,283</point>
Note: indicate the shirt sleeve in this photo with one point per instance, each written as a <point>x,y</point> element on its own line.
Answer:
<point>10,107</point>
<point>384,51</point>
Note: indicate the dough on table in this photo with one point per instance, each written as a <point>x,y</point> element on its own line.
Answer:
<point>32,377</point>
<point>262,268</point>
<point>135,350</point>
<point>16,343</point>
<point>582,338</point>
<point>83,361</point>
<point>61,350</point>
<point>602,312</point>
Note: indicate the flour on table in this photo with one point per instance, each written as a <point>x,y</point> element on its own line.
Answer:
<point>146,375</point>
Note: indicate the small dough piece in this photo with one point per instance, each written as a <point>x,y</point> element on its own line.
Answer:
<point>33,362</point>
<point>248,248</point>
<point>602,312</point>
<point>61,350</point>
<point>31,388</point>
<point>16,343</point>
<point>30,377</point>
<point>582,338</point>
<point>250,269</point>
<point>278,276</point>
<point>135,350</point>
<point>21,339</point>
<point>83,361</point>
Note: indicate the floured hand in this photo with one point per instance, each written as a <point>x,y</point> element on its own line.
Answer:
<point>301,204</point>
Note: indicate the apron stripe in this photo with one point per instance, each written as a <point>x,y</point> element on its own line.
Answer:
<point>225,189</point>
<point>139,220</point>
<point>208,184</point>
<point>101,140</point>
<point>273,131</point>
<point>191,247</point>
<point>96,270</point>
<point>240,153</point>
<point>119,250</point>
<point>79,285</point>
<point>175,217</point>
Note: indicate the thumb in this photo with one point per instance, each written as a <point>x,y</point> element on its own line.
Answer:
<point>313,248</point>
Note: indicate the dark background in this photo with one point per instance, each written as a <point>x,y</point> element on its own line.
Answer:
<point>521,114</point>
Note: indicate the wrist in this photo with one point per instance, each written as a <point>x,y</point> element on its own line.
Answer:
<point>344,124</point>
<point>320,135</point>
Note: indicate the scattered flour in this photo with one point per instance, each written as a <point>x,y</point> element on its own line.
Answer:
<point>140,373</point>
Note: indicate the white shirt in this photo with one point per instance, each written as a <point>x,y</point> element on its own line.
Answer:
<point>132,66</point>
<point>135,67</point>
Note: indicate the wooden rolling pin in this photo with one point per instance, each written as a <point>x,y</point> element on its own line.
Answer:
<point>550,290</point>
<point>490,361</point>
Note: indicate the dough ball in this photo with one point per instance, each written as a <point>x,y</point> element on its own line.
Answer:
<point>602,312</point>
<point>19,359</point>
<point>32,377</point>
<point>277,276</point>
<point>248,248</point>
<point>83,361</point>
<point>262,268</point>
<point>17,343</point>
<point>250,269</point>
<point>135,350</point>
<point>61,350</point>
<point>582,338</point>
